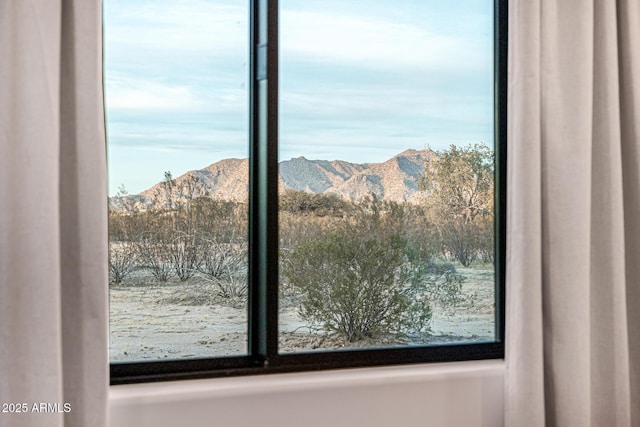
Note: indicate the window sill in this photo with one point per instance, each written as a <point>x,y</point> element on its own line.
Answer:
<point>444,394</point>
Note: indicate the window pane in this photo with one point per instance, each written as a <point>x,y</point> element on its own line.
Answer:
<point>386,173</point>
<point>176,97</point>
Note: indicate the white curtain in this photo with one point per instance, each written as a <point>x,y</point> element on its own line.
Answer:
<point>573,267</point>
<point>53,278</point>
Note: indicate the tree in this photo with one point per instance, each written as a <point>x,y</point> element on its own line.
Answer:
<point>460,183</point>
<point>164,194</point>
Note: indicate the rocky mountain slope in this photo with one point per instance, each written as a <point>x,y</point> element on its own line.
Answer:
<point>395,179</point>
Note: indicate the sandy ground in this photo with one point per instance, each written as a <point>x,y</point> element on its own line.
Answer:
<point>187,320</point>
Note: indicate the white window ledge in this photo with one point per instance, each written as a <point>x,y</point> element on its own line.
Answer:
<point>441,395</point>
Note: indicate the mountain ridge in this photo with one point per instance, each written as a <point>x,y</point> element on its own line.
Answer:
<point>395,179</point>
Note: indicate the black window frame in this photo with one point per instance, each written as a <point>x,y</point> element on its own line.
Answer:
<point>263,356</point>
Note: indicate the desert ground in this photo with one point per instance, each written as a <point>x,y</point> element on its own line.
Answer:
<point>177,320</point>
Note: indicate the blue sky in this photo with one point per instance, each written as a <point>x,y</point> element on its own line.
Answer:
<point>360,81</point>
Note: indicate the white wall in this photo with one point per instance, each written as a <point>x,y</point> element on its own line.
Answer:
<point>462,394</point>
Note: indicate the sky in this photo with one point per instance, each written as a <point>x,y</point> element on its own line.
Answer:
<point>359,81</point>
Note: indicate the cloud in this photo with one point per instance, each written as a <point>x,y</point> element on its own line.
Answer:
<point>374,42</point>
<point>140,94</point>
<point>178,26</point>
<point>129,92</point>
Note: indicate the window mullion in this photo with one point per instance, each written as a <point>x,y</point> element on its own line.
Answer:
<point>263,183</point>
<point>501,28</point>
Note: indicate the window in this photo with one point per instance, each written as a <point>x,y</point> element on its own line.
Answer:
<point>304,184</point>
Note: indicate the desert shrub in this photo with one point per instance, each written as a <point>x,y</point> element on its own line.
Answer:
<point>185,254</point>
<point>154,252</point>
<point>226,266</point>
<point>462,241</point>
<point>446,289</point>
<point>486,240</point>
<point>359,284</point>
<point>300,202</point>
<point>122,261</point>
<point>440,268</point>
<point>223,220</point>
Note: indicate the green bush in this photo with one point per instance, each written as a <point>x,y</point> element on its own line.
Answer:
<point>359,284</point>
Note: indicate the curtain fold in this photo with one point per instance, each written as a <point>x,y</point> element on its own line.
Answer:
<point>573,254</point>
<point>53,259</point>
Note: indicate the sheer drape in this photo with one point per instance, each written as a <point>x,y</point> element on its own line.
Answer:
<point>573,268</point>
<point>53,290</point>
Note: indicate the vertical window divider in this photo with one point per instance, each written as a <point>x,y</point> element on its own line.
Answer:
<point>500,148</point>
<point>263,183</point>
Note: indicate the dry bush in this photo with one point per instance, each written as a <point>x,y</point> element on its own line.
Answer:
<point>461,240</point>
<point>226,266</point>
<point>185,254</point>
<point>154,254</point>
<point>122,261</point>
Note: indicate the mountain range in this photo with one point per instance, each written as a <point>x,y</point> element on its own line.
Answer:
<point>395,179</point>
